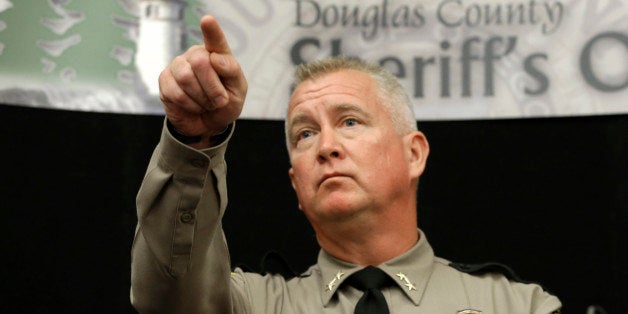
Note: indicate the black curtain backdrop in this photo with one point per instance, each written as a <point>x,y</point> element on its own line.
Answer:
<point>549,197</point>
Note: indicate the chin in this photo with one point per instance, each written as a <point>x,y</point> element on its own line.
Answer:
<point>338,210</point>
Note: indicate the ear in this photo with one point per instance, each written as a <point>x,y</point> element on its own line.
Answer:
<point>291,174</point>
<point>417,149</point>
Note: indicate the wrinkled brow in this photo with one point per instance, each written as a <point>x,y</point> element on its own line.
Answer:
<point>335,109</point>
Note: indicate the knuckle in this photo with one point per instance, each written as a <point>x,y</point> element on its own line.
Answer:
<point>178,62</point>
<point>179,59</point>
<point>170,93</point>
<point>194,49</point>
<point>165,85</point>
<point>162,80</point>
<point>184,77</point>
<point>198,60</point>
<point>178,96</point>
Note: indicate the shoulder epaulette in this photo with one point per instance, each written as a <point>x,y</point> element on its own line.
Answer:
<point>484,268</point>
<point>275,263</point>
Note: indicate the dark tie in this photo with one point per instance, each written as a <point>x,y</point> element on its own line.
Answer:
<point>370,280</point>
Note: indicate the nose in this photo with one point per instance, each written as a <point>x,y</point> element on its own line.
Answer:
<point>328,146</point>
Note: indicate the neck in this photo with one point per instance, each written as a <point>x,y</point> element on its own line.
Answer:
<point>369,240</point>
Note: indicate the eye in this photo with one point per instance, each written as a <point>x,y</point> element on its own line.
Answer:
<point>304,134</point>
<point>351,122</point>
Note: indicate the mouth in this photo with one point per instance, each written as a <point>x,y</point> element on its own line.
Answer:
<point>331,176</point>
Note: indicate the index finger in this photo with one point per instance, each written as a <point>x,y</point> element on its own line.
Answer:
<point>213,37</point>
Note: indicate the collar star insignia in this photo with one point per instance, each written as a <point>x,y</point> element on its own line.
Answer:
<point>332,283</point>
<point>402,276</point>
<point>410,286</point>
<point>406,281</point>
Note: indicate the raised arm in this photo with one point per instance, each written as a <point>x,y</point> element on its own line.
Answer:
<point>180,262</point>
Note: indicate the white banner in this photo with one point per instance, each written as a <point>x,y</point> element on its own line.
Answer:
<point>458,59</point>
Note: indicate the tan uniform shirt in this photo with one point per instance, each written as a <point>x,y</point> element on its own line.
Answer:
<point>180,261</point>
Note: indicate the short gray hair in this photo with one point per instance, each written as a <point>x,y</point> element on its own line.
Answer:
<point>391,94</point>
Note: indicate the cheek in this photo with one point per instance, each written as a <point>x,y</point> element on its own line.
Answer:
<point>298,183</point>
<point>389,163</point>
<point>300,175</point>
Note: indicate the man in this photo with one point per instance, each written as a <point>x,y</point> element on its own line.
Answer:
<point>356,159</point>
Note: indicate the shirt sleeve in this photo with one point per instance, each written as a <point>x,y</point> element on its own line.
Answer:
<point>179,260</point>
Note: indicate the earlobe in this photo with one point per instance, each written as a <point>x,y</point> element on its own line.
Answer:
<point>291,174</point>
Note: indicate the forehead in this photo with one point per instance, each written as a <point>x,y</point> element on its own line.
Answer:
<point>339,86</point>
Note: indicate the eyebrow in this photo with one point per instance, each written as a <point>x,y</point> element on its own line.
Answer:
<point>348,107</point>
<point>336,109</point>
<point>299,118</point>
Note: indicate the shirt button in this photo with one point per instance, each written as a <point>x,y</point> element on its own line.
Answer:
<point>186,217</point>
<point>199,163</point>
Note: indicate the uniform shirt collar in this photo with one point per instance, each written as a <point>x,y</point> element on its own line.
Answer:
<point>411,271</point>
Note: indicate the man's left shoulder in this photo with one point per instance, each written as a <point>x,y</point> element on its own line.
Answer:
<point>502,285</point>
<point>480,269</point>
